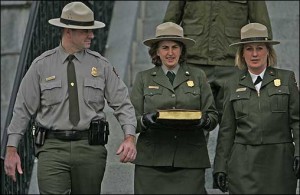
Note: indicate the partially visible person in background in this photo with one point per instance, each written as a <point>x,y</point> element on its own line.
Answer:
<point>258,142</point>
<point>171,159</point>
<point>66,89</point>
<point>214,25</point>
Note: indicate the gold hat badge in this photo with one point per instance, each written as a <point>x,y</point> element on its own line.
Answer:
<point>190,83</point>
<point>94,72</point>
<point>277,82</point>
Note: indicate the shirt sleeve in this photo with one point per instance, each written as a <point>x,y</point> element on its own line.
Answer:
<point>117,96</point>
<point>226,135</point>
<point>26,105</point>
<point>294,111</point>
<point>137,98</point>
<point>258,12</point>
<point>174,12</point>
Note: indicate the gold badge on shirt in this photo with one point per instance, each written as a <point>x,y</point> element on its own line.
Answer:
<point>277,82</point>
<point>94,72</point>
<point>190,83</point>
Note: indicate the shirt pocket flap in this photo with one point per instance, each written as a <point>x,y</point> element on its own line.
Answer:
<point>278,90</point>
<point>192,90</point>
<point>240,95</point>
<point>94,83</point>
<point>193,29</point>
<point>50,85</point>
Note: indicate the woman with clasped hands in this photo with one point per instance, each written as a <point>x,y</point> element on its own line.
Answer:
<point>171,159</point>
<point>258,142</point>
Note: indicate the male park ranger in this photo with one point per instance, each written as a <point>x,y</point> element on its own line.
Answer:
<point>66,88</point>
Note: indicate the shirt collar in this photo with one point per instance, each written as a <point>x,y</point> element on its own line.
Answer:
<point>64,55</point>
<point>254,76</point>
<point>175,69</point>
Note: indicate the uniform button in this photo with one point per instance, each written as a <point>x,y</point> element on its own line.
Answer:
<point>175,137</point>
<point>279,90</point>
<point>151,94</point>
<point>238,96</point>
<point>174,107</point>
<point>173,95</point>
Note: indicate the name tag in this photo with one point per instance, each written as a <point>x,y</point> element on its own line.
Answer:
<point>241,89</point>
<point>50,78</point>
<point>153,87</point>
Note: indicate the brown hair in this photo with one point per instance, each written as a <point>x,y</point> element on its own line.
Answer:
<point>241,63</point>
<point>155,58</point>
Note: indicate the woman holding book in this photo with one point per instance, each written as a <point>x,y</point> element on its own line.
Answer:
<point>171,156</point>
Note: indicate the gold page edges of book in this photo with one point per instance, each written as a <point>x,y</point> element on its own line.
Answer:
<point>178,114</point>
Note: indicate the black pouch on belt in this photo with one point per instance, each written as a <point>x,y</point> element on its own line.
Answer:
<point>39,136</point>
<point>98,132</point>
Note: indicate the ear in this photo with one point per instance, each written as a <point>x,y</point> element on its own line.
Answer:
<point>68,32</point>
<point>157,53</point>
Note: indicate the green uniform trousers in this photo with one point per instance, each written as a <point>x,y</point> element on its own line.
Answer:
<point>70,167</point>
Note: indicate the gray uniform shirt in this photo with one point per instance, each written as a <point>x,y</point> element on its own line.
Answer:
<point>44,91</point>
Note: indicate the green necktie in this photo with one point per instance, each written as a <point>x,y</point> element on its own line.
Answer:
<point>171,76</point>
<point>258,80</point>
<point>73,93</point>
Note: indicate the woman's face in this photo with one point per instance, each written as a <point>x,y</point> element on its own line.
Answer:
<point>169,53</point>
<point>256,57</point>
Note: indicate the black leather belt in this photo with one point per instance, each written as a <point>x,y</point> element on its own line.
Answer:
<point>68,135</point>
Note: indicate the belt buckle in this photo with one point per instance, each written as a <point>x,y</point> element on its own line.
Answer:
<point>68,135</point>
<point>73,135</point>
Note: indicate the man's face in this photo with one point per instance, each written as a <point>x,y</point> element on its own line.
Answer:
<point>81,39</point>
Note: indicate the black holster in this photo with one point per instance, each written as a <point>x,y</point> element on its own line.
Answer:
<point>39,135</point>
<point>98,132</point>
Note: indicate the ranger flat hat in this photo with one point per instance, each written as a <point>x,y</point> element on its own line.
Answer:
<point>169,31</point>
<point>255,33</point>
<point>77,15</point>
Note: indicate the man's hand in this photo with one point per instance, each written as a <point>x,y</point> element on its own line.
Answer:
<point>127,149</point>
<point>220,179</point>
<point>11,162</point>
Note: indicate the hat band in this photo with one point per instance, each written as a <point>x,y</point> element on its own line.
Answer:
<point>168,36</point>
<point>255,39</point>
<point>72,22</point>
